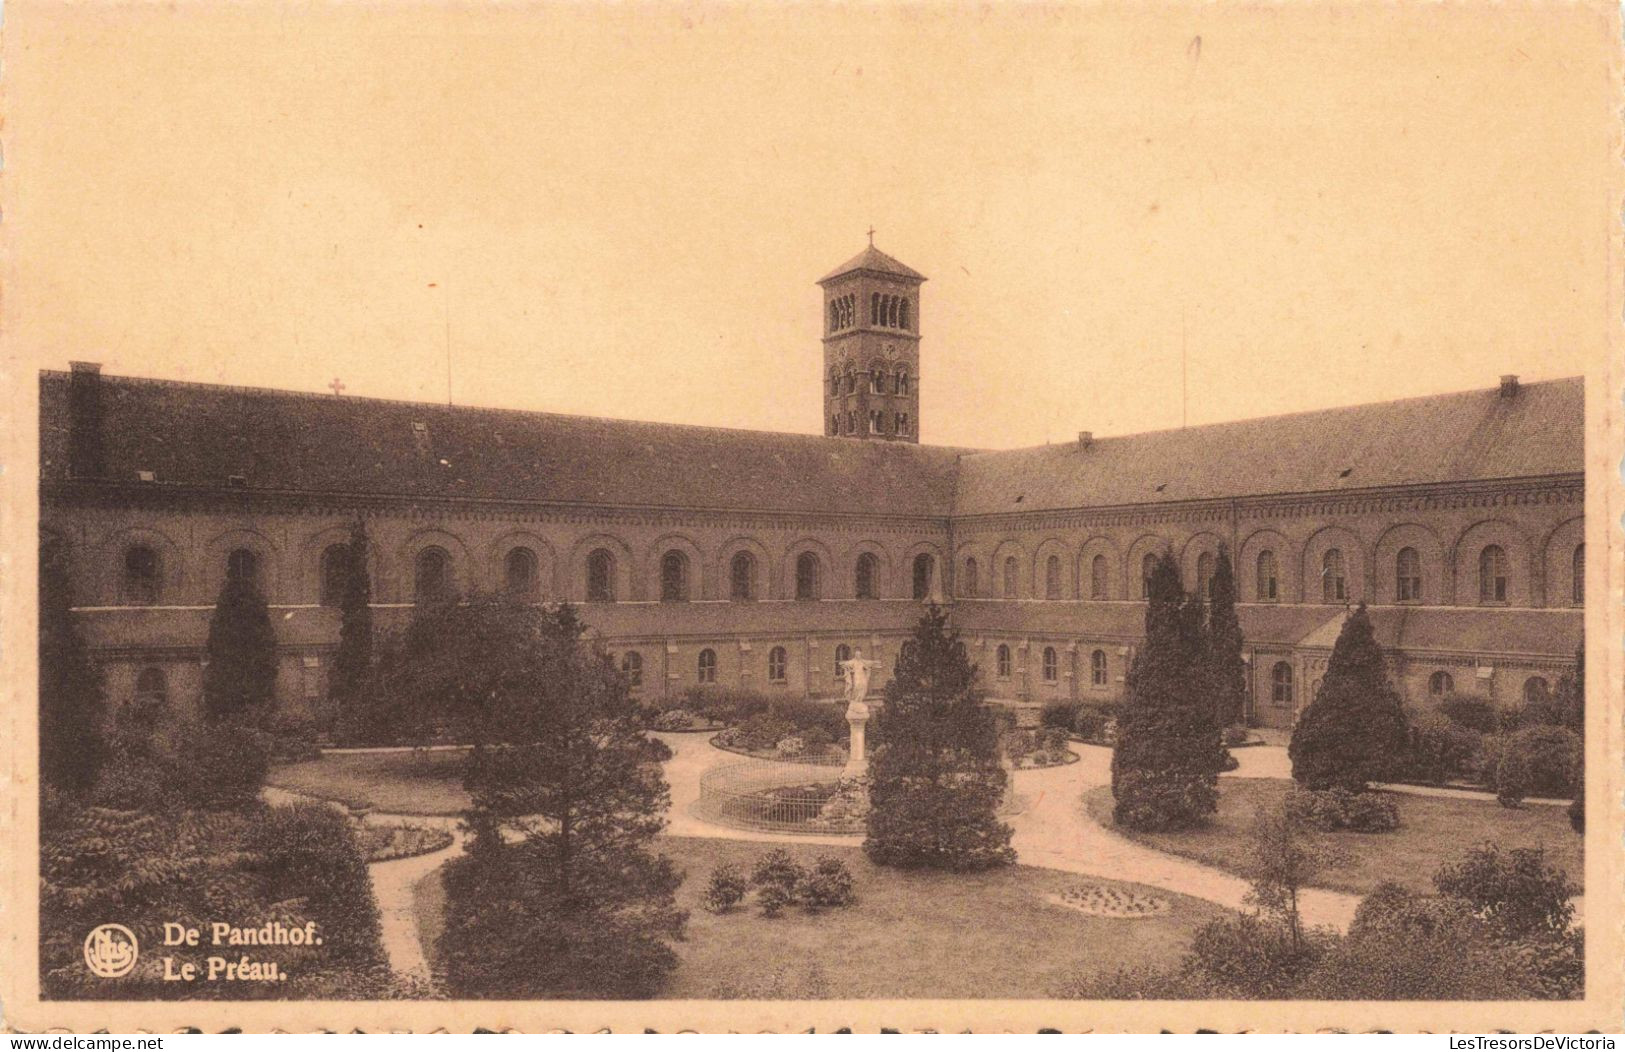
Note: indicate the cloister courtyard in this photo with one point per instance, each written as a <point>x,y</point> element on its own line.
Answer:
<point>1032,930</point>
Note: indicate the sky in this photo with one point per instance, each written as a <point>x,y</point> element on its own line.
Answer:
<point>621,210</point>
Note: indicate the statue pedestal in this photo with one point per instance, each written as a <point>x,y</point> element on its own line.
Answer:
<point>857,757</point>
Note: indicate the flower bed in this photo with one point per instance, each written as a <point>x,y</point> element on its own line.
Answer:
<point>1108,900</point>
<point>380,843</point>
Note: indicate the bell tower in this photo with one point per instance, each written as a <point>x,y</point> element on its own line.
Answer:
<point>872,348</point>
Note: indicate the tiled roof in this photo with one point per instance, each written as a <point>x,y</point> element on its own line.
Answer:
<point>1466,436</point>
<point>203,434</point>
<point>872,259</point>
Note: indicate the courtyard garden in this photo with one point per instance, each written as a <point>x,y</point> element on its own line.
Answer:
<point>1016,931</point>
<point>398,782</point>
<point>1431,828</point>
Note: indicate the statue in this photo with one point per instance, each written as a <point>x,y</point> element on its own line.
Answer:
<point>857,672</point>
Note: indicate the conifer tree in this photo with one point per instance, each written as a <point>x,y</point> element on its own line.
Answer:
<point>1166,763</point>
<point>353,660</point>
<point>578,906</point>
<point>1227,672</point>
<point>935,781</point>
<point>70,684</point>
<point>1354,730</point>
<point>241,677</point>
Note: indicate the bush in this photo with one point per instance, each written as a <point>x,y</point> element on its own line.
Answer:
<point>816,740</point>
<point>1234,735</point>
<point>1329,810</point>
<point>1516,892</point>
<point>673,720</point>
<point>1248,957</point>
<point>826,886</point>
<point>1440,748</point>
<point>776,878</point>
<point>724,704</point>
<point>1060,714</point>
<point>1537,761</point>
<point>726,889</point>
<point>791,746</point>
<point>1096,721</point>
<point>759,733</point>
<point>805,715</point>
<point>221,766</point>
<point>1353,731</point>
<point>310,853</point>
<point>1472,712</point>
<point>1229,763</point>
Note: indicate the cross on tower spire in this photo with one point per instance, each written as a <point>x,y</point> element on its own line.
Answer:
<point>871,235</point>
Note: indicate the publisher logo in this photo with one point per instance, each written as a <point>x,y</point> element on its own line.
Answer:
<point>110,951</point>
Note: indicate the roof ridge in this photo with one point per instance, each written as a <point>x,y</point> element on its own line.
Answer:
<point>327,399</point>
<point>1485,391</point>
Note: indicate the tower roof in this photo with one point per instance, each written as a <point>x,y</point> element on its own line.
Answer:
<point>876,261</point>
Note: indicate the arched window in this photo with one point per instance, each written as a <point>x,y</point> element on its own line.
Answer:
<point>834,383</point>
<point>519,576</point>
<point>843,654</point>
<point>1268,584</point>
<point>874,308</point>
<point>1148,566</point>
<point>1003,661</point>
<point>877,381</point>
<point>1011,571</point>
<point>673,577</point>
<point>335,573</point>
<point>141,576</point>
<point>777,665</point>
<point>877,422</point>
<point>867,574</point>
<point>851,421</point>
<point>924,570</point>
<point>1281,683</point>
<point>902,314</point>
<point>1099,581</point>
<point>243,565</point>
<point>835,424</point>
<point>1440,684</point>
<point>902,381</point>
<point>600,576</point>
<point>1492,574</point>
<point>902,423</point>
<point>1578,593</point>
<point>1333,582</point>
<point>1204,575</point>
<point>851,381</point>
<point>1408,576</point>
<point>834,315</point>
<point>742,577</point>
<point>1051,666</point>
<point>632,668</point>
<point>808,576</point>
<point>891,313</point>
<point>1536,690</point>
<point>1097,668</point>
<point>1052,577</point>
<point>972,582</point>
<point>708,666</point>
<point>432,577</point>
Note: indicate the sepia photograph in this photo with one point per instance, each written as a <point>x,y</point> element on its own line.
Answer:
<point>727,516</point>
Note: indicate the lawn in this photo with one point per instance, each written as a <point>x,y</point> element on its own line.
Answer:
<point>909,935</point>
<point>1433,830</point>
<point>404,783</point>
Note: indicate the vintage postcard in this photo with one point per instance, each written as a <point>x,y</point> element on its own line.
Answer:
<point>779,517</point>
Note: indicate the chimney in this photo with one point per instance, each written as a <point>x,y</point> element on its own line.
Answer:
<point>1085,439</point>
<point>1509,385</point>
<point>85,458</point>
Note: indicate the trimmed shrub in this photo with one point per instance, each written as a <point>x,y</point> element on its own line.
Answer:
<point>1440,748</point>
<point>816,739</point>
<point>1060,714</point>
<point>827,885</point>
<point>1329,810</point>
<point>1353,732</point>
<point>673,720</point>
<point>1537,761</point>
<point>804,715</point>
<point>1234,735</point>
<point>724,704</point>
<point>776,878</point>
<point>726,889</point>
<point>791,746</point>
<point>1470,711</point>
<point>758,733</point>
<point>1096,721</point>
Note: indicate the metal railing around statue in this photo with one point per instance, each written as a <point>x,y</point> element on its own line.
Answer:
<point>803,797</point>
